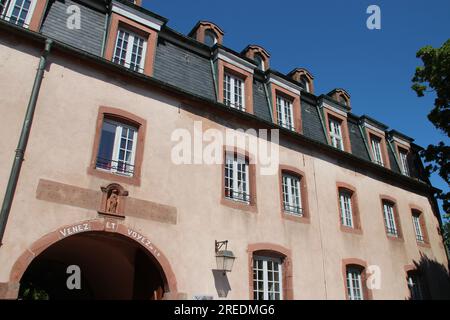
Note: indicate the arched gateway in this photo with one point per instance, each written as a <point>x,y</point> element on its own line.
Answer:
<point>115,262</point>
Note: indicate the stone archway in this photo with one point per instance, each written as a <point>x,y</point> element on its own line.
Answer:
<point>99,237</point>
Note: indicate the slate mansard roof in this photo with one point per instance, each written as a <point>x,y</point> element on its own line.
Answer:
<point>181,61</point>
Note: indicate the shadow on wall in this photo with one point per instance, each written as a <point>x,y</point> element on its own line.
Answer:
<point>221,283</point>
<point>436,276</point>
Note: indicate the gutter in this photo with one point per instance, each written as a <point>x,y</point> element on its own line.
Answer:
<point>23,140</point>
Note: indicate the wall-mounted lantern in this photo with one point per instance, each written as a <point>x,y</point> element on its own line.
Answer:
<point>224,258</point>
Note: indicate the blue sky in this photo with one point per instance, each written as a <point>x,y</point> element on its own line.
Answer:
<point>330,39</point>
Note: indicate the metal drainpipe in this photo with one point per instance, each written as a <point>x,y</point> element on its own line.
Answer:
<point>319,111</point>
<point>394,153</point>
<point>269,100</point>
<point>23,140</point>
<point>366,143</point>
<point>216,88</point>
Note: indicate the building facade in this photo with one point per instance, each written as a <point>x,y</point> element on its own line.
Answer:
<point>346,211</point>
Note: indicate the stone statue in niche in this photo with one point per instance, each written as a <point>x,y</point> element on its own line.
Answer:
<point>113,200</point>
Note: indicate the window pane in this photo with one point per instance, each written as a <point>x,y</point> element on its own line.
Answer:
<point>336,134</point>
<point>20,11</point>
<point>285,113</point>
<point>354,284</point>
<point>237,178</point>
<point>117,148</point>
<point>415,286</point>
<point>404,163</point>
<point>417,227</point>
<point>291,194</point>
<point>376,151</point>
<point>233,92</point>
<point>106,147</point>
<point>210,38</point>
<point>389,219</point>
<point>266,279</point>
<point>346,208</point>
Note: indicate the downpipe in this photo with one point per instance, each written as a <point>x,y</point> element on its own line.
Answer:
<point>23,141</point>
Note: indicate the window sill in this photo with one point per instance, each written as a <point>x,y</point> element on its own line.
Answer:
<point>239,205</point>
<point>106,175</point>
<point>423,244</point>
<point>295,218</point>
<point>394,238</point>
<point>351,230</point>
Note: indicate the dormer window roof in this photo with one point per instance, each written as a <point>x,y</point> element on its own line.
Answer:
<point>207,32</point>
<point>259,55</point>
<point>341,96</point>
<point>304,77</point>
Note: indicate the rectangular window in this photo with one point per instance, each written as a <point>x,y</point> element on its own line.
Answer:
<point>345,201</point>
<point>404,162</point>
<point>354,284</point>
<point>267,279</point>
<point>18,12</point>
<point>336,134</point>
<point>292,195</point>
<point>417,227</point>
<point>237,180</point>
<point>389,219</point>
<point>415,286</point>
<point>130,50</point>
<point>376,151</point>
<point>233,92</point>
<point>117,148</point>
<point>285,113</point>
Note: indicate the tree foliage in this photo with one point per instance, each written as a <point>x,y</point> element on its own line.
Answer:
<point>434,76</point>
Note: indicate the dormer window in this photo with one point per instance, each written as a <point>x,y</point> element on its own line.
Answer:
<point>336,137</point>
<point>131,43</point>
<point>304,77</point>
<point>18,12</point>
<point>207,32</point>
<point>341,96</point>
<point>210,38</point>
<point>259,62</point>
<point>376,150</point>
<point>130,50</point>
<point>343,101</point>
<point>403,155</point>
<point>259,55</point>
<point>233,92</point>
<point>304,80</point>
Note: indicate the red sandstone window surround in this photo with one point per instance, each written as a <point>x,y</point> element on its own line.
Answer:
<point>349,215</point>
<point>419,225</point>
<point>140,37</point>
<point>238,180</point>
<point>262,258</point>
<point>293,194</point>
<point>304,77</point>
<point>355,278</point>
<point>416,283</point>
<point>207,32</point>
<point>391,218</point>
<point>403,154</point>
<point>286,108</point>
<point>378,148</point>
<point>124,145</point>
<point>229,74</point>
<point>259,55</point>
<point>331,119</point>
